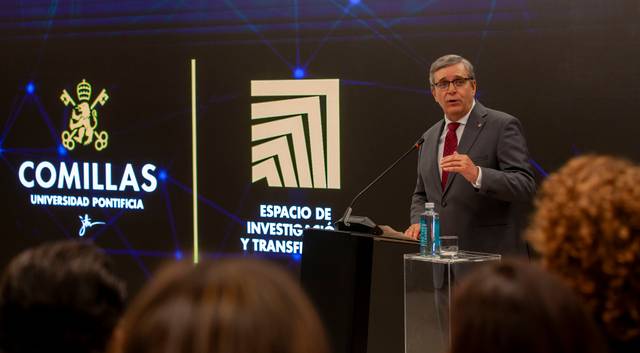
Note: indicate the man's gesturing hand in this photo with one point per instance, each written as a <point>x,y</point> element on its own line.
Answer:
<point>460,163</point>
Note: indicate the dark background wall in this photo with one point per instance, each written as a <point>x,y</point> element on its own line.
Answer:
<point>567,69</point>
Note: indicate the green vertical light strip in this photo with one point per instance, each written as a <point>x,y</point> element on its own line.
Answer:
<point>194,161</point>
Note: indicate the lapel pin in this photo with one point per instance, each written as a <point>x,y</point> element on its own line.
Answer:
<point>479,124</point>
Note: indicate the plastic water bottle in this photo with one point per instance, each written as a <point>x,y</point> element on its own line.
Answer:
<point>429,230</point>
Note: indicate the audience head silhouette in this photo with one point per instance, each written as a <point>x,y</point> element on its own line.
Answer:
<point>587,229</point>
<point>59,297</point>
<point>230,306</point>
<point>517,307</point>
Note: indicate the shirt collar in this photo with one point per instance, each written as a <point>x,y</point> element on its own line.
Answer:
<point>463,120</point>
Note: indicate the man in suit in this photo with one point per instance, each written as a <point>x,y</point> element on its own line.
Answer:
<point>473,164</point>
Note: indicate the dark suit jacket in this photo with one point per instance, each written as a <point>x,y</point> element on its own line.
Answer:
<point>484,219</point>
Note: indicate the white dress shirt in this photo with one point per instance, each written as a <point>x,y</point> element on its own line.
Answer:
<point>459,131</point>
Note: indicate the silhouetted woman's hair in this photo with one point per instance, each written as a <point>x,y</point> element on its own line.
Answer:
<point>513,307</point>
<point>59,297</point>
<point>231,306</point>
<point>587,230</point>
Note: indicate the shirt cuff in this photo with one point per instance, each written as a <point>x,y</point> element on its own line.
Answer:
<point>478,182</point>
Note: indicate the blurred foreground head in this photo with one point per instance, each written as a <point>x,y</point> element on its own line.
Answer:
<point>59,297</point>
<point>511,307</point>
<point>230,306</point>
<point>587,229</point>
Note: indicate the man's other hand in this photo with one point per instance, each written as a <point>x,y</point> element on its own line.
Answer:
<point>413,231</point>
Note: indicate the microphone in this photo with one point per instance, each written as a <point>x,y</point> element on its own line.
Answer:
<point>365,224</point>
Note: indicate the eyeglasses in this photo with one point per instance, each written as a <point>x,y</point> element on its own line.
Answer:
<point>458,82</point>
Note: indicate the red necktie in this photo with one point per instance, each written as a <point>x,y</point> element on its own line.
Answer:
<point>450,146</point>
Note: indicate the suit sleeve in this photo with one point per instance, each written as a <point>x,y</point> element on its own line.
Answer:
<point>418,198</point>
<point>514,179</point>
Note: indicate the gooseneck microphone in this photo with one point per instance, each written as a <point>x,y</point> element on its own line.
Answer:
<point>364,224</point>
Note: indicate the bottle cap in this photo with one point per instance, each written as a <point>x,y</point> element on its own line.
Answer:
<point>429,205</point>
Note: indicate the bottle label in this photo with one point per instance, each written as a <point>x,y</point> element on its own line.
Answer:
<point>436,236</point>
<point>425,234</point>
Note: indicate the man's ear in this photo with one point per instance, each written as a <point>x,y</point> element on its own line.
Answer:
<point>433,93</point>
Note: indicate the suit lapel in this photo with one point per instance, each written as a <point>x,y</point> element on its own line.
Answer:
<point>431,148</point>
<point>472,129</point>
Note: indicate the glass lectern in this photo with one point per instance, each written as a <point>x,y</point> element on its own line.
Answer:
<point>428,280</point>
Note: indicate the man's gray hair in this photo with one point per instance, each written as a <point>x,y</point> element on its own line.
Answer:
<point>449,60</point>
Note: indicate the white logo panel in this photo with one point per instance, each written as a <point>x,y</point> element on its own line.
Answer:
<point>291,147</point>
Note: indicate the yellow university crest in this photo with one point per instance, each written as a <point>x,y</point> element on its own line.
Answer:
<point>83,122</point>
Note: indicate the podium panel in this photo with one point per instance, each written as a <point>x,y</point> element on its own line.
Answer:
<point>356,283</point>
<point>428,282</point>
